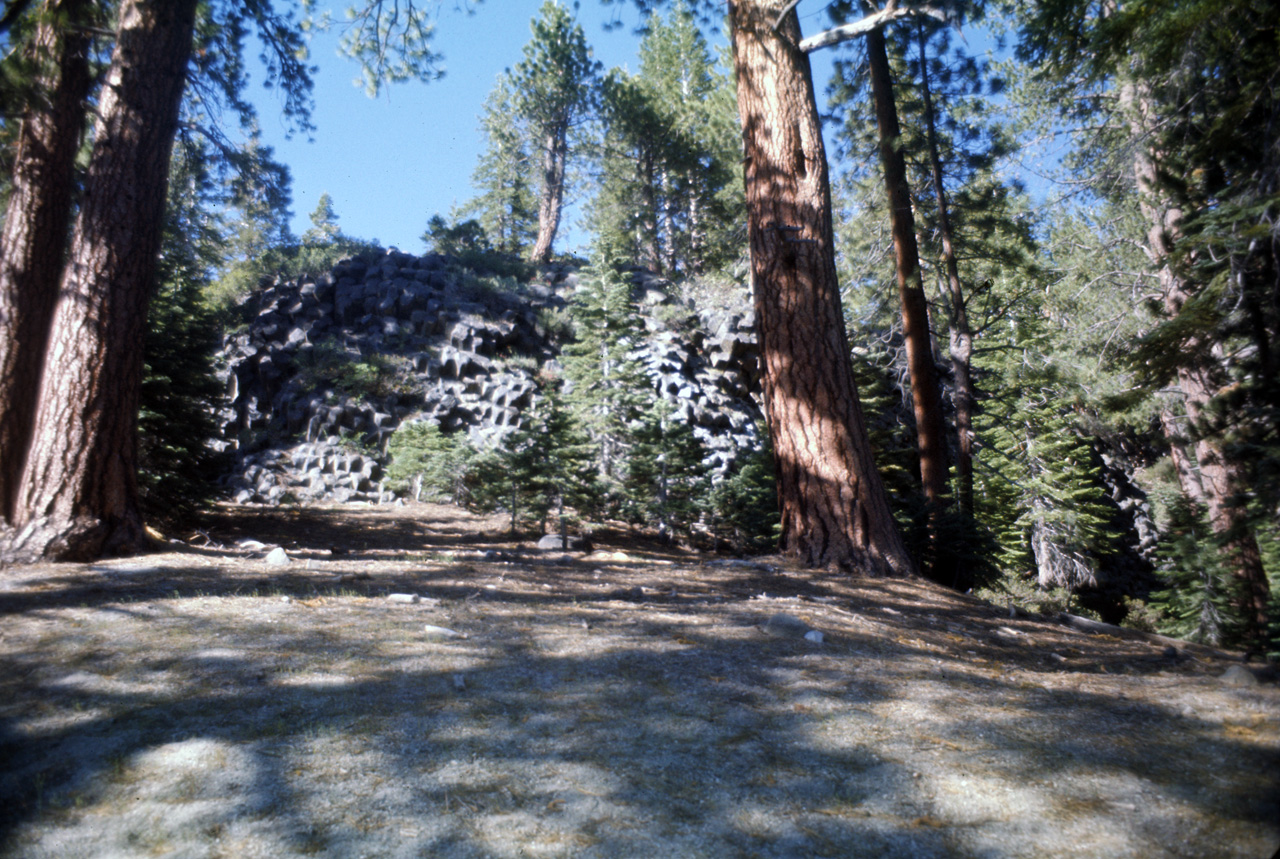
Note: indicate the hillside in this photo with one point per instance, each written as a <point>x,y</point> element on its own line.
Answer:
<point>409,683</point>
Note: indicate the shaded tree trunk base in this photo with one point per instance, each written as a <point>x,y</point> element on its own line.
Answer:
<point>82,539</point>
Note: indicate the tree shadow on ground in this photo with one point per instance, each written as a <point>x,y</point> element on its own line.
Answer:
<point>582,721</point>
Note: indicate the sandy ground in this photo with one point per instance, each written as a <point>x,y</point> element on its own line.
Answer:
<point>411,683</point>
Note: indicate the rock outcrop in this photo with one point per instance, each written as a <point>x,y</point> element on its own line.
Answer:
<point>327,367</point>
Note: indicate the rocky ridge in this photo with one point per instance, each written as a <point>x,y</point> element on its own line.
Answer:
<point>327,367</point>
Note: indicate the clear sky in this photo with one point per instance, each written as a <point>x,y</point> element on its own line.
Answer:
<point>392,162</point>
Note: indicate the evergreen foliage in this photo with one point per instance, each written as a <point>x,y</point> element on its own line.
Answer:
<point>177,468</point>
<point>427,464</point>
<point>744,504</point>
<point>553,91</point>
<point>507,208</point>
<point>544,467</point>
<point>667,483</point>
<point>609,393</point>
<point>669,193</point>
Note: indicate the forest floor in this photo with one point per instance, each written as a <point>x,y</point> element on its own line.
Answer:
<point>411,683</point>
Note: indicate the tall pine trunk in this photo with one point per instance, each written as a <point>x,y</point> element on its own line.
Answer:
<point>1201,377</point>
<point>79,496</point>
<point>36,223</point>
<point>926,396</point>
<point>960,334</point>
<point>835,511</point>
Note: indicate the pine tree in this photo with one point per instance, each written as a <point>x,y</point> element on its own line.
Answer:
<point>177,468</point>
<point>506,208</point>
<point>324,222</point>
<point>427,463</point>
<point>668,195</point>
<point>1193,104</point>
<point>544,467</point>
<point>609,393</point>
<point>667,482</point>
<point>553,90</point>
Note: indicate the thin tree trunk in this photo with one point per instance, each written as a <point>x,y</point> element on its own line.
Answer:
<point>961,336</point>
<point>36,224</point>
<point>835,511</point>
<point>926,396</point>
<point>1224,483</point>
<point>652,246</point>
<point>554,154</point>
<point>79,494</point>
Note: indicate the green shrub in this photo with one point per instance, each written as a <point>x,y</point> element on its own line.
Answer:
<point>426,463</point>
<point>329,364</point>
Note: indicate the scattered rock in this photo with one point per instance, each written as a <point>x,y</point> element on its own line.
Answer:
<point>569,543</point>
<point>277,557</point>
<point>442,632</point>
<point>1239,675</point>
<point>610,556</point>
<point>783,625</point>
<point>251,545</point>
<point>403,598</point>
<point>813,635</point>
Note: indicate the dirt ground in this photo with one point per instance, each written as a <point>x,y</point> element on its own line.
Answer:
<point>412,683</point>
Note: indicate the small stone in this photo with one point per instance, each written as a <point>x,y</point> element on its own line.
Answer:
<point>1170,652</point>
<point>442,632</point>
<point>459,683</point>
<point>403,598</point>
<point>783,625</point>
<point>813,635</point>
<point>570,542</point>
<point>251,545</point>
<point>277,557</point>
<point>1238,675</point>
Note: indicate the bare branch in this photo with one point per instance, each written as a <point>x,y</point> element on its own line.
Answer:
<point>785,9</point>
<point>848,32</point>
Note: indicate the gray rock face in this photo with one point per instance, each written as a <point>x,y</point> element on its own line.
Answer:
<point>423,339</point>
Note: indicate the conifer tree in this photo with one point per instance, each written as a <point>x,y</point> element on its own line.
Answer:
<point>667,482</point>
<point>668,194</point>
<point>1194,106</point>
<point>177,469</point>
<point>609,390</point>
<point>553,89</point>
<point>506,207</point>
<point>545,467</point>
<point>324,222</point>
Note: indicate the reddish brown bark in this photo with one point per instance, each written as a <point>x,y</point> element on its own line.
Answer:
<point>36,224</point>
<point>834,508</point>
<point>78,497</point>
<point>1223,484</point>
<point>926,396</point>
<point>960,334</point>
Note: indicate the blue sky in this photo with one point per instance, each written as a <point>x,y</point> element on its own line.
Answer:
<point>390,163</point>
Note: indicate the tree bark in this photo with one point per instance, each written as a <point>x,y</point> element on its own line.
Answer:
<point>1222,482</point>
<point>926,396</point>
<point>960,334</point>
<point>36,223</point>
<point>551,202</point>
<point>79,497</point>
<point>835,511</point>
